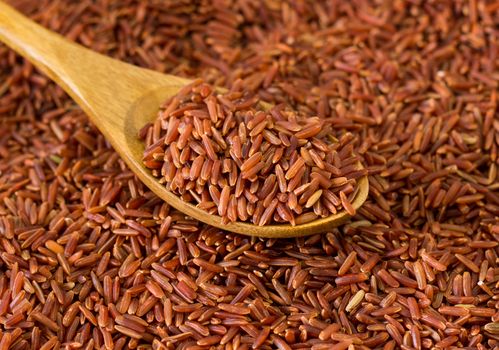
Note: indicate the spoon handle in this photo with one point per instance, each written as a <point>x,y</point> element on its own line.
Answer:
<point>102,86</point>
<point>92,80</point>
<point>32,41</point>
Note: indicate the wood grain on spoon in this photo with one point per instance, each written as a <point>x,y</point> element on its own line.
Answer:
<point>119,99</point>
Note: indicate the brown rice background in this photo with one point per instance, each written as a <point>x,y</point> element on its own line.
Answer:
<point>90,258</point>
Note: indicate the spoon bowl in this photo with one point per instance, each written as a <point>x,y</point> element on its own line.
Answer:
<point>120,99</point>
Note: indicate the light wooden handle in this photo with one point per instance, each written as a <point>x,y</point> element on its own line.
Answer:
<point>104,88</point>
<point>30,40</point>
<point>79,71</point>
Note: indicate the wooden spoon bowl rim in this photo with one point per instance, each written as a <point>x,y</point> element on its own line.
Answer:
<point>145,110</point>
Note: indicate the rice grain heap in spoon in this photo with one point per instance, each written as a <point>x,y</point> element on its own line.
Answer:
<point>227,155</point>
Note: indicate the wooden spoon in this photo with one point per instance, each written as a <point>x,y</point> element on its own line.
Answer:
<point>119,99</point>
